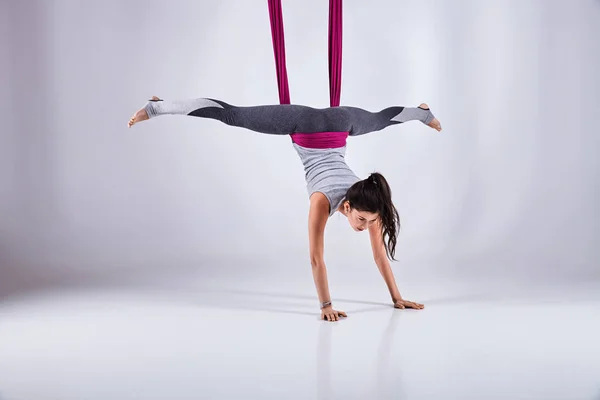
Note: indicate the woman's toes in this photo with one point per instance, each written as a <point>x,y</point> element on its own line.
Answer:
<point>132,121</point>
<point>435,124</point>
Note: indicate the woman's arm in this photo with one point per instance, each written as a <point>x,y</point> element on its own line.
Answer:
<point>317,219</point>
<point>380,257</point>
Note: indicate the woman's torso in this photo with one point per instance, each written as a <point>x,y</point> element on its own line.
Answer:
<point>326,171</point>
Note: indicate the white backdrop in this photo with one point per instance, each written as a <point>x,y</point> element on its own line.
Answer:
<point>509,189</point>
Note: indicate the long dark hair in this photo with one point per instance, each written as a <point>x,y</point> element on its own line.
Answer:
<point>374,195</point>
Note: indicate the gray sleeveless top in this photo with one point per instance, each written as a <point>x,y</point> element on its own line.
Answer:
<point>326,171</point>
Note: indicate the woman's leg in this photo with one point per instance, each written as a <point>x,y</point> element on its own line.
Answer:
<point>271,119</point>
<point>363,121</point>
<point>286,119</point>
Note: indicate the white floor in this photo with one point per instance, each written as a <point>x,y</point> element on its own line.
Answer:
<point>177,342</point>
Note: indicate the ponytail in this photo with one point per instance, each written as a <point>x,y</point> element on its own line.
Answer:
<point>375,195</point>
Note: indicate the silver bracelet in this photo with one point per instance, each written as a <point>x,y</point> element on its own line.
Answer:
<point>325,304</point>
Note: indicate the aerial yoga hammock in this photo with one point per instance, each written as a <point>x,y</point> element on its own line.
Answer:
<point>319,137</point>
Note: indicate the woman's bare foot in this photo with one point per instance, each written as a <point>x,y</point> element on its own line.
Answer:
<point>435,124</point>
<point>140,115</point>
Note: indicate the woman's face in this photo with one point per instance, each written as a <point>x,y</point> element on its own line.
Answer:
<point>360,220</point>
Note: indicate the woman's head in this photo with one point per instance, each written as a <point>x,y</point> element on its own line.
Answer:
<point>369,200</point>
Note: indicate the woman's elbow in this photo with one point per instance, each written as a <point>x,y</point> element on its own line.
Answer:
<point>380,257</point>
<point>317,261</point>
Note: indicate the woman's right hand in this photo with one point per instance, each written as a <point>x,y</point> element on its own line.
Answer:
<point>329,314</point>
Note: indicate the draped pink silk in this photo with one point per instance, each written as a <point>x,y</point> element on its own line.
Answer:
<point>317,140</point>
<point>320,140</point>
<point>335,52</point>
<point>276,18</point>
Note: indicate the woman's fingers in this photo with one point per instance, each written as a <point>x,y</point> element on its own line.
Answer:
<point>409,304</point>
<point>417,305</point>
<point>334,315</point>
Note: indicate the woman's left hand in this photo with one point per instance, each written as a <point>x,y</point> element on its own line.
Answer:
<point>408,304</point>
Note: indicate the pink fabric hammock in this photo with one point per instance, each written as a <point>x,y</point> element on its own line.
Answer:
<point>317,140</point>
<point>335,51</point>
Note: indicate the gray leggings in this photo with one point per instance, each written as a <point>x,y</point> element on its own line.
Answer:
<point>286,119</point>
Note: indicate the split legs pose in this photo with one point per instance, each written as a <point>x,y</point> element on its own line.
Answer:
<point>286,119</point>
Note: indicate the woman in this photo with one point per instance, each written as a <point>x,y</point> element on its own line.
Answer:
<point>319,137</point>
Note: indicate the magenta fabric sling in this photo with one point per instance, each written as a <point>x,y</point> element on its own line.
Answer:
<point>320,140</point>
<point>335,52</point>
<point>276,18</point>
<point>314,140</point>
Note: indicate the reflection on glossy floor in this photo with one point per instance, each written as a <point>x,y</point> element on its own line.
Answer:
<point>135,343</point>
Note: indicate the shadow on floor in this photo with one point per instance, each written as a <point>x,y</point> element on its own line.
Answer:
<point>273,302</point>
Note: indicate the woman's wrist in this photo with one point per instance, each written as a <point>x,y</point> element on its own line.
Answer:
<point>325,304</point>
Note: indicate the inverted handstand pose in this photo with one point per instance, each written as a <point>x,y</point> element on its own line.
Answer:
<point>319,137</point>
